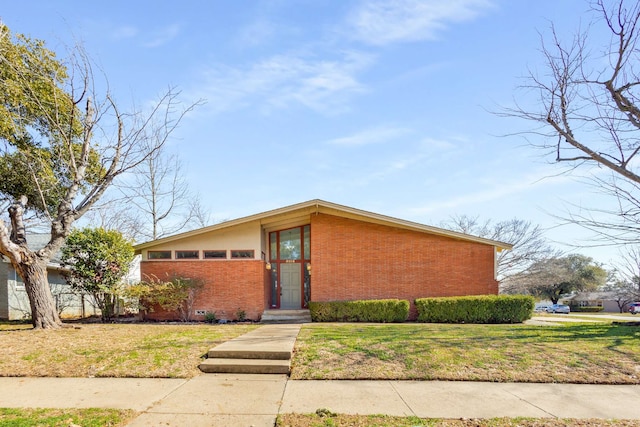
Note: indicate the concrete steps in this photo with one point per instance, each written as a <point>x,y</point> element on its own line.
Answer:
<point>245,366</point>
<point>266,350</point>
<point>286,316</point>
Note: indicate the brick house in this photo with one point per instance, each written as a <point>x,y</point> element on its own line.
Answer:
<point>320,251</point>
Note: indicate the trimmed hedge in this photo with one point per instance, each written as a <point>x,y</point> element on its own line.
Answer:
<point>589,309</point>
<point>476,309</point>
<point>381,311</point>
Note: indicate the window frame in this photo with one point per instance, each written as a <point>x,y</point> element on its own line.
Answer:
<point>205,251</point>
<point>150,257</point>
<point>184,251</point>
<point>236,251</point>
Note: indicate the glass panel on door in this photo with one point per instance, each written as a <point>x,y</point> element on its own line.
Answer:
<point>290,244</point>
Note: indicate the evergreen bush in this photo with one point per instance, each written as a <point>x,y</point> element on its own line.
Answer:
<point>377,311</point>
<point>475,309</point>
<point>588,309</point>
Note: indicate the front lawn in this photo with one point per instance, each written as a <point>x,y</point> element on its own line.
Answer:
<point>571,352</point>
<point>65,417</point>
<point>600,353</point>
<point>111,350</point>
<point>338,420</point>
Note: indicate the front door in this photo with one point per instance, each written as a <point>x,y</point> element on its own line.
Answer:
<point>290,282</point>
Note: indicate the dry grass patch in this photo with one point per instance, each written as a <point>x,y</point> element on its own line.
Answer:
<point>313,420</point>
<point>568,353</point>
<point>111,350</point>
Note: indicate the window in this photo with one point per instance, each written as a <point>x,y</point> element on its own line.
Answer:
<point>214,254</point>
<point>273,245</point>
<point>290,244</point>
<point>187,254</point>
<point>242,254</point>
<point>307,241</point>
<point>159,255</point>
<point>18,280</point>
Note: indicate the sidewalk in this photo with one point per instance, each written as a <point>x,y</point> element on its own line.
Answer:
<point>256,400</point>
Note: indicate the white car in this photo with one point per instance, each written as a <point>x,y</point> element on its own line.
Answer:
<point>558,308</point>
<point>634,308</point>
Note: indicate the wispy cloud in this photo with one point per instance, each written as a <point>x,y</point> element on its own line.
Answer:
<point>283,81</point>
<point>499,190</point>
<point>150,39</point>
<point>392,168</point>
<point>163,35</point>
<point>255,34</point>
<point>370,136</point>
<point>432,144</point>
<point>381,22</point>
<point>124,32</point>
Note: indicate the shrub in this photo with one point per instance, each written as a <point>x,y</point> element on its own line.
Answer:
<point>97,261</point>
<point>175,295</point>
<point>589,309</point>
<point>210,317</point>
<point>241,315</point>
<point>382,311</point>
<point>476,309</point>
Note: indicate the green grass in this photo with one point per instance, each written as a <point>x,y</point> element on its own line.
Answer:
<point>64,417</point>
<point>340,420</point>
<point>571,353</point>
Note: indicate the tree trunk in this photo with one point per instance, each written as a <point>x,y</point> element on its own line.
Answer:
<point>43,308</point>
<point>31,267</point>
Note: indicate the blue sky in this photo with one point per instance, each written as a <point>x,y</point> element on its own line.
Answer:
<point>380,105</point>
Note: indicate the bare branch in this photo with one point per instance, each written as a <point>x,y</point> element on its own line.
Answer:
<point>587,112</point>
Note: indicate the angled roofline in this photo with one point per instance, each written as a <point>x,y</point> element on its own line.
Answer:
<point>318,204</point>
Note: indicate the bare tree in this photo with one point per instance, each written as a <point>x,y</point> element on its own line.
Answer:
<point>200,215</point>
<point>528,240</point>
<point>588,114</point>
<point>113,214</point>
<point>160,193</point>
<point>626,281</point>
<point>154,201</point>
<point>70,143</point>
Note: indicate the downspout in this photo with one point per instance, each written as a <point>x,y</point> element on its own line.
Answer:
<point>496,250</point>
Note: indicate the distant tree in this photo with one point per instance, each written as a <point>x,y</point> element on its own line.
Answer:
<point>528,240</point>
<point>587,114</point>
<point>98,262</point>
<point>63,145</point>
<point>155,201</point>
<point>625,284</point>
<point>623,293</point>
<point>201,217</point>
<point>115,214</point>
<point>160,194</point>
<point>554,278</point>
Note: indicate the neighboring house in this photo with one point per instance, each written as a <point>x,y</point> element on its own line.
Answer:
<point>607,300</point>
<point>14,302</point>
<point>319,251</point>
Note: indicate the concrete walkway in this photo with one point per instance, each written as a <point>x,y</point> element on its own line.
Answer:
<point>266,350</point>
<point>256,400</point>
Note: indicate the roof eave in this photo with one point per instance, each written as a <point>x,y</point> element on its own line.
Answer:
<point>319,205</point>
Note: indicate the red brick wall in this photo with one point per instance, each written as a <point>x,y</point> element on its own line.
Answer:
<point>358,260</point>
<point>228,285</point>
<point>350,260</point>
